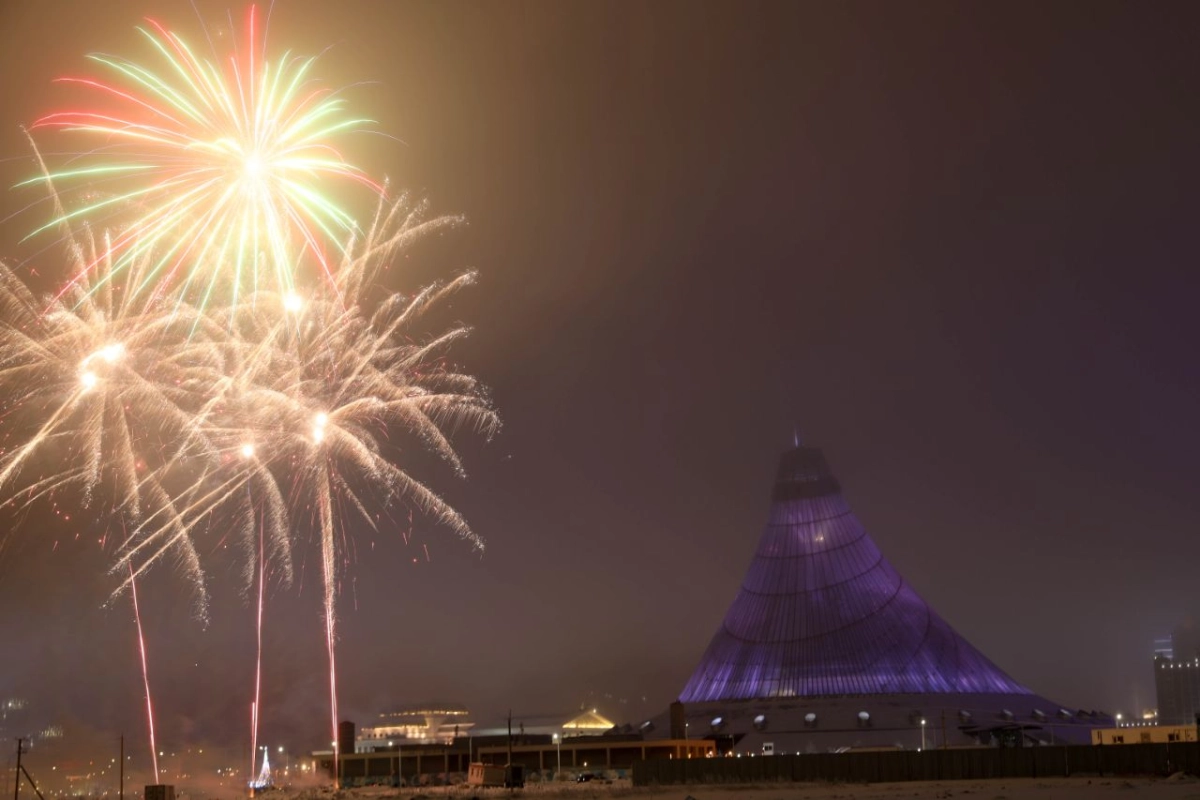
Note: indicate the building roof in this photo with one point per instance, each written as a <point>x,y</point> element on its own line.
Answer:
<point>588,721</point>
<point>822,613</point>
<point>435,708</point>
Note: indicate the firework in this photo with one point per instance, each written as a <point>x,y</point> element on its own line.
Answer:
<point>322,396</point>
<point>216,172</point>
<point>306,406</point>
<point>189,372</point>
<point>98,386</point>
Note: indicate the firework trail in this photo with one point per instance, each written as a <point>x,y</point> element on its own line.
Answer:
<point>262,580</point>
<point>137,615</point>
<point>214,170</point>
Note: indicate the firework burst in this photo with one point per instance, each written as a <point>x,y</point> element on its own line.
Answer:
<point>216,172</point>
<point>98,388</point>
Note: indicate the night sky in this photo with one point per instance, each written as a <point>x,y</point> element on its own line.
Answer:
<point>952,244</point>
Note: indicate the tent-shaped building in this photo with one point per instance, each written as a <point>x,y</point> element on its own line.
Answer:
<point>826,646</point>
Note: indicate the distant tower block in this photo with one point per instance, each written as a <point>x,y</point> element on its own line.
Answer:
<point>821,613</point>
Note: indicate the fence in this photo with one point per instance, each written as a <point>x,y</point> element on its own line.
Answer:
<point>928,765</point>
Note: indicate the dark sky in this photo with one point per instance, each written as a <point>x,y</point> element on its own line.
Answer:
<point>954,244</point>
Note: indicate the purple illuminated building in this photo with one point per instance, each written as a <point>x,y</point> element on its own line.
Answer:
<point>827,646</point>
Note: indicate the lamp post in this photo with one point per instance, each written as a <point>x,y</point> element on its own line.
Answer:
<point>922,733</point>
<point>287,762</point>
<point>558,747</point>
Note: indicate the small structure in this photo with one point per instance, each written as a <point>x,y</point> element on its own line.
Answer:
<point>264,779</point>
<point>510,776</point>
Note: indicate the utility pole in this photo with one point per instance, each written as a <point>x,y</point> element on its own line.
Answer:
<point>22,771</point>
<point>508,769</point>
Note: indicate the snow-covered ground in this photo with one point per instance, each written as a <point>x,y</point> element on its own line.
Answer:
<point>1177,787</point>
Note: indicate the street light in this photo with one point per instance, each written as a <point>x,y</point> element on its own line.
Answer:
<point>922,733</point>
<point>558,746</point>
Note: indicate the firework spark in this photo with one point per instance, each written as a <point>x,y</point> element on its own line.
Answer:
<point>215,171</point>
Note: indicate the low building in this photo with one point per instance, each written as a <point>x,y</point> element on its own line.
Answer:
<point>543,758</point>
<point>1135,733</point>
<point>420,723</point>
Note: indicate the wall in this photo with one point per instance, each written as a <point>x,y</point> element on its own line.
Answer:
<point>910,765</point>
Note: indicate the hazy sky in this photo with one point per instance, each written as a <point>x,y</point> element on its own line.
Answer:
<point>953,244</point>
